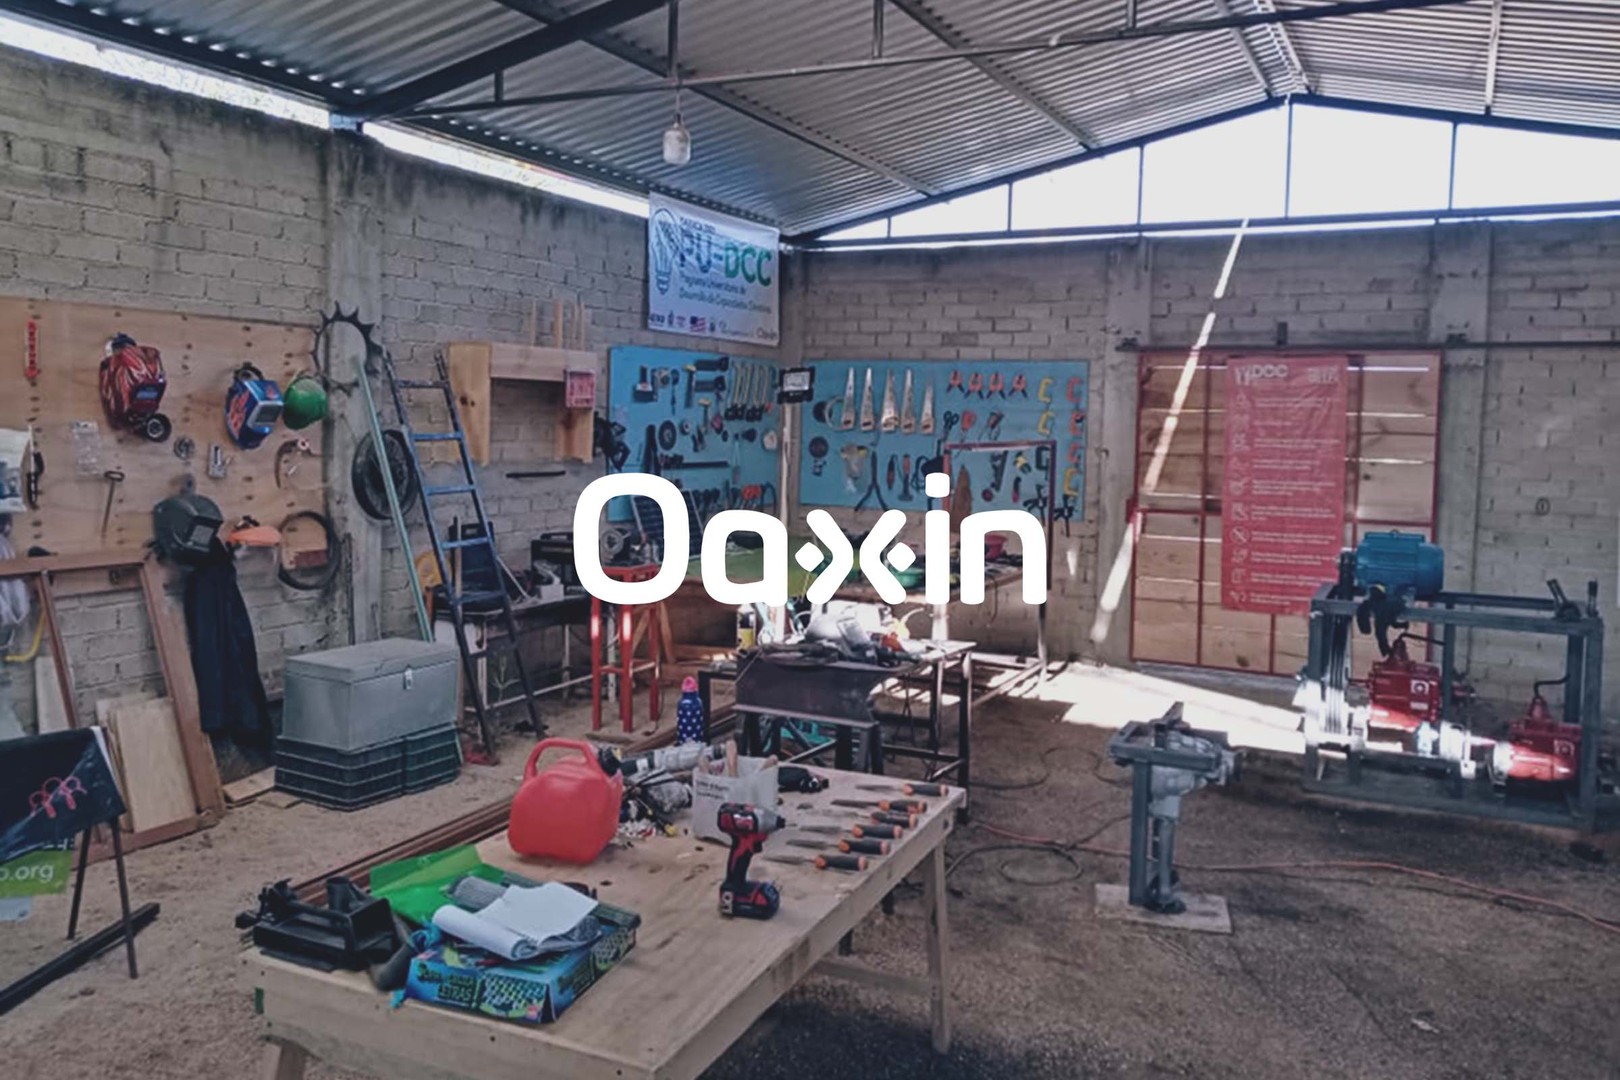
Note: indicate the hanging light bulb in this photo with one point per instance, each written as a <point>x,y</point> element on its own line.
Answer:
<point>677,140</point>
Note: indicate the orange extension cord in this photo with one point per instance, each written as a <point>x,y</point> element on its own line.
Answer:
<point>1326,864</point>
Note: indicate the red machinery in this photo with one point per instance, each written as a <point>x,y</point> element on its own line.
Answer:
<point>1403,693</point>
<point>1539,747</point>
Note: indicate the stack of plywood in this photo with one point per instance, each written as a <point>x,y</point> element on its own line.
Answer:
<point>150,760</point>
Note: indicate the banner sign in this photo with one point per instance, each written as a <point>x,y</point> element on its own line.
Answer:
<point>52,788</point>
<point>1282,516</point>
<point>710,274</point>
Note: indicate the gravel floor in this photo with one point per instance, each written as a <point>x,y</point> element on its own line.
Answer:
<point>1328,974</point>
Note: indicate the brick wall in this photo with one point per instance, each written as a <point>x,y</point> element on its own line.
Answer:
<point>116,192</point>
<point>1550,434</point>
<point>1044,303</point>
<point>1544,431</point>
<point>468,259</point>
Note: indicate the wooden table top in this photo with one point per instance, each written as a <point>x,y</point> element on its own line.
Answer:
<point>693,983</point>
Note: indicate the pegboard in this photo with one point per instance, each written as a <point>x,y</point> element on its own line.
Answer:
<point>653,391</point>
<point>855,459</point>
<point>199,356</point>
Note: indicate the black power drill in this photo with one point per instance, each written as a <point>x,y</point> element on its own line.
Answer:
<point>748,826</point>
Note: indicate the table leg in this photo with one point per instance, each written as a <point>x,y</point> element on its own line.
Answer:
<point>627,666</point>
<point>282,1061</point>
<point>939,950</point>
<point>964,732</point>
<point>596,664</point>
<point>843,749</point>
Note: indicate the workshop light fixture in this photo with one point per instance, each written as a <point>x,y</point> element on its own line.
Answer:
<point>677,140</point>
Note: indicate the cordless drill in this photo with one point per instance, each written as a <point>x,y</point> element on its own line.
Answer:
<point>748,826</point>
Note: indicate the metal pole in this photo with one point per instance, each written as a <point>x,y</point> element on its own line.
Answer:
<point>394,510</point>
<point>877,27</point>
<point>673,45</point>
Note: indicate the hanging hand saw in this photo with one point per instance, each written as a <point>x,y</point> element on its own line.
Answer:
<point>890,418</point>
<point>868,420</point>
<point>908,419</point>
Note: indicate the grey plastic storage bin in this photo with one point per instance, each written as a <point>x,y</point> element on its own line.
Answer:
<point>362,695</point>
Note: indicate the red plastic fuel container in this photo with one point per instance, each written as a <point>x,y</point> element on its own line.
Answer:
<point>570,810</point>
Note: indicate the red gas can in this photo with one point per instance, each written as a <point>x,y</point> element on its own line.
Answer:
<point>568,812</point>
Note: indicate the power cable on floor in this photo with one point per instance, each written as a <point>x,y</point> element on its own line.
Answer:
<point>1479,891</point>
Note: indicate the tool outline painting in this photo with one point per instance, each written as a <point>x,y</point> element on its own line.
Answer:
<point>872,456</point>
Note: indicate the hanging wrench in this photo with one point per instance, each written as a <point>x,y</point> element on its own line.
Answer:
<point>114,477</point>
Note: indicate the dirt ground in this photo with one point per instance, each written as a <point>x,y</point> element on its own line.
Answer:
<point>1329,973</point>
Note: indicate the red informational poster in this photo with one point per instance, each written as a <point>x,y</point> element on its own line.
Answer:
<point>1282,516</point>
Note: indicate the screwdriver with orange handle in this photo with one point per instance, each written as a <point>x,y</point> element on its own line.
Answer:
<point>859,845</point>
<point>887,832</point>
<point>901,806</point>
<point>909,788</point>
<point>822,862</point>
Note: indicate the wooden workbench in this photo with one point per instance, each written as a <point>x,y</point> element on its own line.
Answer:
<point>691,986</point>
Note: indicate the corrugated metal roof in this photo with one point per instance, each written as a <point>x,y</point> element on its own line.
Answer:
<point>817,150</point>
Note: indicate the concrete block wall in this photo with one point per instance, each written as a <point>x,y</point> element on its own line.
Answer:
<point>1533,426</point>
<point>114,192</point>
<point>1045,303</point>
<point>467,259</point>
<point>1550,433</point>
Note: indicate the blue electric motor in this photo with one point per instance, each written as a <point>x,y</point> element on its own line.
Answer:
<point>1402,564</point>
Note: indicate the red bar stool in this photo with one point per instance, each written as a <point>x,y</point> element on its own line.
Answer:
<point>646,619</point>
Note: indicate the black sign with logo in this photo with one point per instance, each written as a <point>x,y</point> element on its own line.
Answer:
<point>52,788</point>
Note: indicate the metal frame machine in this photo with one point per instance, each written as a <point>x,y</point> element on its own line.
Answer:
<point>1410,734</point>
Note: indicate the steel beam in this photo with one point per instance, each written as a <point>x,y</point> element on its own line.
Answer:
<point>1220,227</point>
<point>1251,61</point>
<point>1543,127</point>
<point>550,38</point>
<point>548,11</point>
<point>1050,43</point>
<point>997,74</point>
<point>1492,55</point>
<point>1029,171</point>
<point>1285,45</point>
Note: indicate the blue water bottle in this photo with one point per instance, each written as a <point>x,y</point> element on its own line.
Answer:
<point>690,723</point>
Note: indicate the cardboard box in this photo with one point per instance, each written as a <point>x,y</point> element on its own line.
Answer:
<point>755,784</point>
<point>536,992</point>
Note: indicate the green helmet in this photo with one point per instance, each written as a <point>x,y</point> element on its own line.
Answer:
<point>303,402</point>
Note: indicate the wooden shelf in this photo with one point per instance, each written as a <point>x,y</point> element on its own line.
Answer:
<point>474,365</point>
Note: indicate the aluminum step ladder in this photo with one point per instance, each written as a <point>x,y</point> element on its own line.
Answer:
<point>483,538</point>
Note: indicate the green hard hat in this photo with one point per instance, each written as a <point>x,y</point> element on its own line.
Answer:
<point>303,402</point>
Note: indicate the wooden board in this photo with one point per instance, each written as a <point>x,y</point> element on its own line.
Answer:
<point>245,790</point>
<point>1390,465</point>
<point>476,365</point>
<point>693,983</point>
<point>199,355</point>
<point>152,762</point>
<point>1206,914</point>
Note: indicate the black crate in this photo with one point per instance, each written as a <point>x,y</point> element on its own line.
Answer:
<point>432,758</point>
<point>342,780</point>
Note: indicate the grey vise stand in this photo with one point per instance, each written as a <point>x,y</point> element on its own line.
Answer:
<point>1168,760</point>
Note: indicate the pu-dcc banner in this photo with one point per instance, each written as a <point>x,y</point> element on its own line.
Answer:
<point>1282,513</point>
<point>711,275</point>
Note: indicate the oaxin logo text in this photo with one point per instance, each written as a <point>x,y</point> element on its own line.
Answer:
<point>876,553</point>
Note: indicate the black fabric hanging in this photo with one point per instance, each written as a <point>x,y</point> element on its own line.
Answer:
<point>230,694</point>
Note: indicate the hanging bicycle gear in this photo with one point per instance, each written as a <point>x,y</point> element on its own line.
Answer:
<point>474,539</point>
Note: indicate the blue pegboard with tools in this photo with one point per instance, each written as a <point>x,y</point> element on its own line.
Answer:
<point>706,421</point>
<point>876,427</point>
